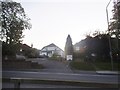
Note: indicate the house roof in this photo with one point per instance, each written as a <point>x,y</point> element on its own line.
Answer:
<point>52,45</point>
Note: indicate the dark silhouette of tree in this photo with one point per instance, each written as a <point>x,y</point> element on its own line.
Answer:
<point>97,45</point>
<point>14,21</point>
<point>68,46</point>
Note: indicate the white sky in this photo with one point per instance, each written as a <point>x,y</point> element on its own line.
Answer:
<point>53,20</point>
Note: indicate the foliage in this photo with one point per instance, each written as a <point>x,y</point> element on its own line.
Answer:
<point>34,53</point>
<point>68,46</point>
<point>14,21</point>
<point>27,51</point>
<point>96,48</point>
<point>7,49</point>
<point>99,45</point>
<point>78,55</point>
<point>114,26</point>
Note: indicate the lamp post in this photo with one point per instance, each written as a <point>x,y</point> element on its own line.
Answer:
<point>117,35</point>
<point>109,35</point>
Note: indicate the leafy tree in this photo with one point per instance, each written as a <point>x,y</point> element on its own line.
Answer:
<point>114,26</point>
<point>96,47</point>
<point>14,21</point>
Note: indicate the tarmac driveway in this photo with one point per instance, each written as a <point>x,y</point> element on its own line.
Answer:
<point>52,65</point>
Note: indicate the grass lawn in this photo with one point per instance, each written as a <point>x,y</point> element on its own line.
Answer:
<point>81,66</point>
<point>107,66</point>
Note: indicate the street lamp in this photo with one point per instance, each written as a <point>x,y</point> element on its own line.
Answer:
<point>109,35</point>
<point>117,37</point>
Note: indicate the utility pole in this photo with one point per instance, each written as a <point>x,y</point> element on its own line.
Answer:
<point>117,35</point>
<point>109,35</point>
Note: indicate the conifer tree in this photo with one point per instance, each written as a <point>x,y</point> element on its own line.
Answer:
<point>68,46</point>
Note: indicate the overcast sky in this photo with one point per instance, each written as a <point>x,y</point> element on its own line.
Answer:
<point>53,20</point>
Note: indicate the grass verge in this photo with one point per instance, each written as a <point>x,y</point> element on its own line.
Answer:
<point>81,66</point>
<point>107,66</point>
<point>94,66</point>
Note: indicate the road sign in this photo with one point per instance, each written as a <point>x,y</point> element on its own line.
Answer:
<point>69,57</point>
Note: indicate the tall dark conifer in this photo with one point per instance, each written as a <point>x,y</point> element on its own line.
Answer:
<point>68,46</point>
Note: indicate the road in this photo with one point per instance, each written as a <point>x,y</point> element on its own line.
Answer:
<point>111,79</point>
<point>57,71</point>
<point>52,65</point>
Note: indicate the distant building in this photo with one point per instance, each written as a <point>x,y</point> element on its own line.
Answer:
<point>80,46</point>
<point>50,50</point>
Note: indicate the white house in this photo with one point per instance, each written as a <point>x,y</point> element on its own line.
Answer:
<point>51,49</point>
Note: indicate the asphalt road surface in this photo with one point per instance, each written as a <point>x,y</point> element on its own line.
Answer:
<point>52,65</point>
<point>111,79</point>
<point>55,70</point>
